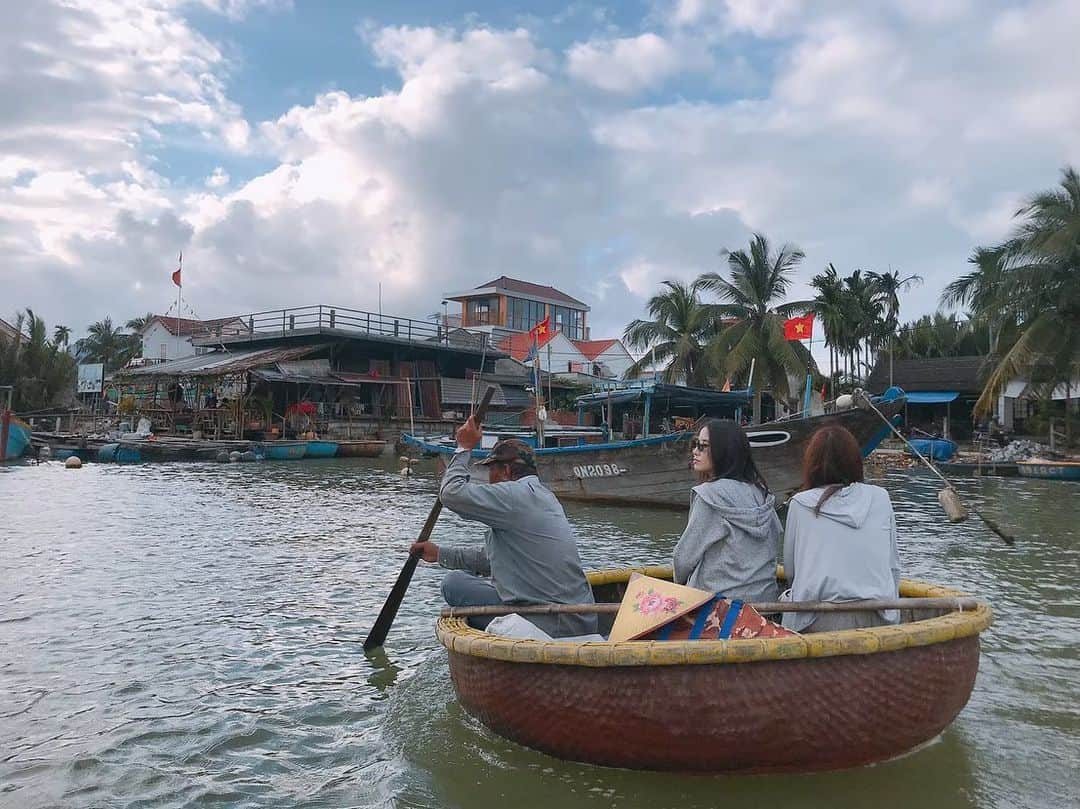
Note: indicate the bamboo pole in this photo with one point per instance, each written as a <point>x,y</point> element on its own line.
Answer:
<point>869,605</point>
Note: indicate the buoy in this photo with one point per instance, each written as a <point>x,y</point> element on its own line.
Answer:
<point>235,456</point>
<point>223,457</point>
<point>845,401</point>
<point>74,462</point>
<point>950,501</point>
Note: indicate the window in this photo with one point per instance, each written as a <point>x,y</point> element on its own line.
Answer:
<point>569,322</point>
<point>164,352</point>
<point>522,315</point>
<point>482,311</point>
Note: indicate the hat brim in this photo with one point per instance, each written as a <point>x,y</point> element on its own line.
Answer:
<point>488,461</point>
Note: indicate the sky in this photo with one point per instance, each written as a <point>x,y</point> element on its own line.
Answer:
<point>312,152</point>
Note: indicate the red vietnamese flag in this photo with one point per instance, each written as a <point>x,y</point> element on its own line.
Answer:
<point>176,275</point>
<point>799,328</point>
<point>541,331</point>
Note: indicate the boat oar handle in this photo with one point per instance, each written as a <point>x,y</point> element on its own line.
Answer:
<point>960,603</point>
<point>389,610</point>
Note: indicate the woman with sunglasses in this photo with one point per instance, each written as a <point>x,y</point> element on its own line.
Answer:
<point>732,536</point>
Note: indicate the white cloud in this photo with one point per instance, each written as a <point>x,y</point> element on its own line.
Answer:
<point>218,178</point>
<point>632,64</point>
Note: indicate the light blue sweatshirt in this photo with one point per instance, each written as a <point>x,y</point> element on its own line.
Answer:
<point>731,541</point>
<point>530,551</point>
<point>846,553</point>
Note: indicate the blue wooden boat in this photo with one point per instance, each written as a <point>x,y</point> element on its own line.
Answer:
<point>321,449</point>
<point>18,439</point>
<point>283,450</point>
<point>1049,470</point>
<point>937,449</point>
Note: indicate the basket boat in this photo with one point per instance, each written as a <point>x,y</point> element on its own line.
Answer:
<point>824,701</point>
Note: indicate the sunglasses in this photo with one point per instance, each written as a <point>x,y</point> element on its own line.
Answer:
<point>696,446</point>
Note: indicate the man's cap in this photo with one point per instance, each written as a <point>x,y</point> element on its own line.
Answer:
<point>512,451</point>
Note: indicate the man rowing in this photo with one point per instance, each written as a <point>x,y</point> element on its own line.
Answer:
<point>530,554</point>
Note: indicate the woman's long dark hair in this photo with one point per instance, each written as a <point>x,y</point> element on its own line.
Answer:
<point>729,449</point>
<point>832,460</point>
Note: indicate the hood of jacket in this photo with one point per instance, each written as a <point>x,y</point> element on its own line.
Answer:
<point>849,506</point>
<point>741,504</point>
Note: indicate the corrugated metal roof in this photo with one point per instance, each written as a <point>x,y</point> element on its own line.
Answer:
<point>220,363</point>
<point>460,391</point>
<point>518,397</point>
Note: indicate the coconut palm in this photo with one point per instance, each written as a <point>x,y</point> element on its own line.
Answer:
<point>105,344</point>
<point>40,372</point>
<point>828,306</point>
<point>677,334</point>
<point>137,324</point>
<point>751,315</point>
<point>983,289</point>
<point>888,286</point>
<point>61,336</point>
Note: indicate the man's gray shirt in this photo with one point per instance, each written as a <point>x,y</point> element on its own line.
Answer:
<point>530,552</point>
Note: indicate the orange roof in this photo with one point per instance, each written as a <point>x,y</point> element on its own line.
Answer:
<point>593,348</point>
<point>517,345</point>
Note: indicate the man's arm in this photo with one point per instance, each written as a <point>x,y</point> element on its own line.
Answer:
<point>492,505</point>
<point>475,560</point>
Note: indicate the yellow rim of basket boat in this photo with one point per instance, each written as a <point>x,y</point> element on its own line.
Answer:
<point>456,635</point>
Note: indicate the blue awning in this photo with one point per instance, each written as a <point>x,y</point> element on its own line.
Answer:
<point>932,396</point>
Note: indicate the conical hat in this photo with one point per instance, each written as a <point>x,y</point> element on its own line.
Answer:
<point>650,603</point>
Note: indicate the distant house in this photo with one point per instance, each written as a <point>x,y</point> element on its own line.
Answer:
<point>169,338</point>
<point>505,306</point>
<point>607,358</point>
<point>557,353</point>
<point>941,391</point>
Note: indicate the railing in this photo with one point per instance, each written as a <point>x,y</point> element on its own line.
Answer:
<point>281,322</point>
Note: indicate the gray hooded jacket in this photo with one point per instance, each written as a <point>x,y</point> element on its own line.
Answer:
<point>846,553</point>
<point>731,541</point>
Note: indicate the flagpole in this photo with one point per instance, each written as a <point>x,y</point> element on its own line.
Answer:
<point>179,298</point>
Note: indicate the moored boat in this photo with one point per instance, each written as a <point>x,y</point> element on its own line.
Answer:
<point>15,437</point>
<point>1005,469</point>
<point>825,701</point>
<point>362,448</point>
<point>282,450</point>
<point>321,449</point>
<point>937,449</point>
<point>1050,470</point>
<point>655,471</point>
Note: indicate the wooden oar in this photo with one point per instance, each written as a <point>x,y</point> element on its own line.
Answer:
<point>948,497</point>
<point>381,629</point>
<point>869,605</point>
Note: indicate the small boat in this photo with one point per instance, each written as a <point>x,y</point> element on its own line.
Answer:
<point>936,449</point>
<point>1050,470</point>
<point>282,450</point>
<point>804,703</point>
<point>321,449</point>
<point>17,439</point>
<point>655,471</point>
<point>365,448</point>
<point>1003,469</point>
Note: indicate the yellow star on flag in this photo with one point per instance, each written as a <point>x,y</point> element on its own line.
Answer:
<point>799,328</point>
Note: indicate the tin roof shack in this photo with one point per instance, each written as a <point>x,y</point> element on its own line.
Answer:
<point>645,407</point>
<point>941,391</point>
<point>337,372</point>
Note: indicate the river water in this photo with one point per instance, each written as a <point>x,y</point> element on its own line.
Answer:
<point>190,635</point>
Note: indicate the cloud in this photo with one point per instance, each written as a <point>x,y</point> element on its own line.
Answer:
<point>632,64</point>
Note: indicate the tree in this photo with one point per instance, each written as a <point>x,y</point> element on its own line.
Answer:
<point>677,334</point>
<point>40,372</point>
<point>751,317</point>
<point>61,337</point>
<point>105,344</point>
<point>829,307</point>
<point>887,289</point>
<point>983,289</point>
<point>137,324</point>
<point>1041,290</point>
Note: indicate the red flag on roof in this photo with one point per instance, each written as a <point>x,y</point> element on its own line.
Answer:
<point>799,328</point>
<point>176,275</point>
<point>541,331</point>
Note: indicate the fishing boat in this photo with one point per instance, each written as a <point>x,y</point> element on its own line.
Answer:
<point>363,448</point>
<point>655,471</point>
<point>321,449</point>
<point>1050,470</point>
<point>802,703</point>
<point>14,432</point>
<point>282,450</point>
<point>937,449</point>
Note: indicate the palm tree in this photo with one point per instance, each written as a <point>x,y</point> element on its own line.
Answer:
<point>983,289</point>
<point>751,317</point>
<point>61,336</point>
<point>677,334</point>
<point>104,344</point>
<point>137,324</point>
<point>888,286</point>
<point>41,373</point>
<point>1043,294</point>
<point>828,306</point>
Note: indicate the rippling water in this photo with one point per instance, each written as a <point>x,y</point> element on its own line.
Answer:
<point>191,636</point>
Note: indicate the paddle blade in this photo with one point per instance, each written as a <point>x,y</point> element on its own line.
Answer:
<point>377,636</point>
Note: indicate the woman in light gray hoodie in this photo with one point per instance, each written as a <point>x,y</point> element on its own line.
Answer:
<point>840,539</point>
<point>732,536</point>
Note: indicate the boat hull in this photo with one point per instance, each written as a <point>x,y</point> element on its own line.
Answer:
<point>656,471</point>
<point>986,469</point>
<point>285,450</point>
<point>18,439</point>
<point>321,449</point>
<point>361,449</point>
<point>1049,470</point>
<point>794,704</point>
<point>938,449</point>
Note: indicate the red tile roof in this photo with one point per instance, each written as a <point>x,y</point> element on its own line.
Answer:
<point>593,348</point>
<point>185,327</point>
<point>526,288</point>
<point>517,345</point>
